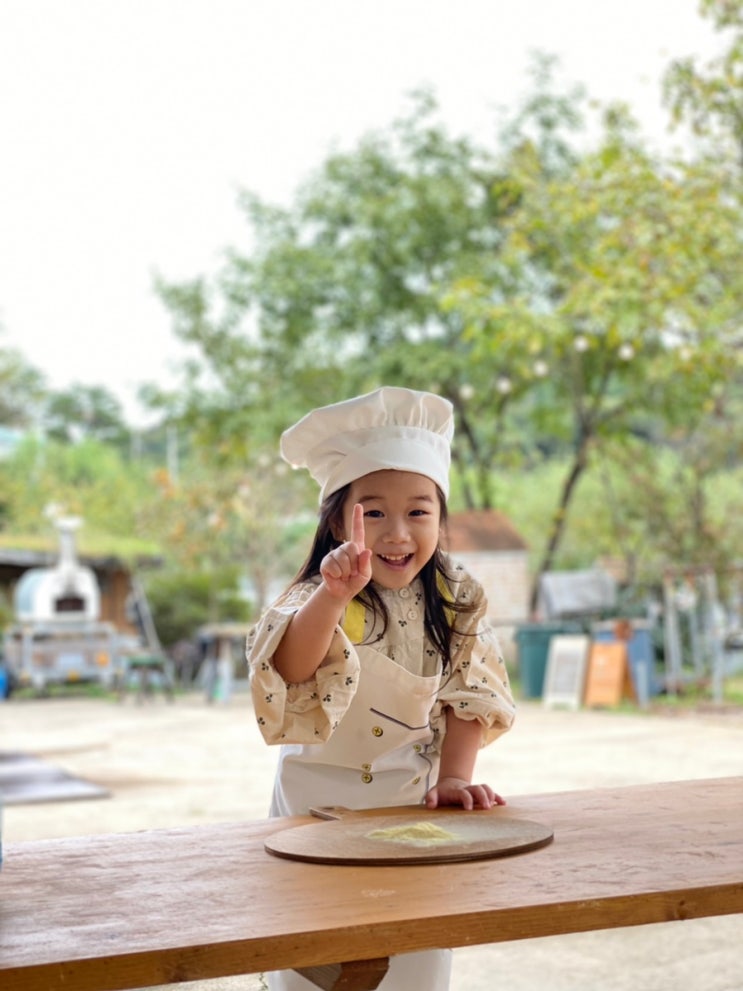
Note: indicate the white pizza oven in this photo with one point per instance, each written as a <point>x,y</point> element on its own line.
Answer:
<point>66,592</point>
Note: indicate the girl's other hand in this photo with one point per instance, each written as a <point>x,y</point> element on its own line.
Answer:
<point>347,569</point>
<point>455,791</point>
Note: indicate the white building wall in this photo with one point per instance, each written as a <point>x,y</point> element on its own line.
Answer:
<point>504,575</point>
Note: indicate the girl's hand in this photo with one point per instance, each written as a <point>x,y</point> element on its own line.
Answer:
<point>456,791</point>
<point>347,569</point>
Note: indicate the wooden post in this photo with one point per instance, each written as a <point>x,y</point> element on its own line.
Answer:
<point>355,975</point>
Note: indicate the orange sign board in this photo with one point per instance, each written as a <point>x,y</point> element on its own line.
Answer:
<point>608,680</point>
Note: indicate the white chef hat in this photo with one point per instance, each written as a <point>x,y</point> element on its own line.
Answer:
<point>388,428</point>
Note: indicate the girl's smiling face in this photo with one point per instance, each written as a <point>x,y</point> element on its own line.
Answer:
<point>402,518</point>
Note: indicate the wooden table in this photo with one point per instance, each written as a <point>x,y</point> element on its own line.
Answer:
<point>139,909</point>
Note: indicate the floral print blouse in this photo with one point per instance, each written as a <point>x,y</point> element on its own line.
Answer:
<point>476,687</point>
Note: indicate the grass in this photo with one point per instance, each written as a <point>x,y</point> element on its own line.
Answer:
<point>690,697</point>
<point>72,689</point>
<point>89,545</point>
<point>694,696</point>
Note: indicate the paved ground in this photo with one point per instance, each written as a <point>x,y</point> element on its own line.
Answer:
<point>188,763</point>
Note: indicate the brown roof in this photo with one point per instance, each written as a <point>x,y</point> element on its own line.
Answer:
<point>482,530</point>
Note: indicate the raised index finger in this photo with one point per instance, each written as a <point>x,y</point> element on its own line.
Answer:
<point>358,535</point>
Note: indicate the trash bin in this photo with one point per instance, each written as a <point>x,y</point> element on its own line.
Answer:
<point>533,645</point>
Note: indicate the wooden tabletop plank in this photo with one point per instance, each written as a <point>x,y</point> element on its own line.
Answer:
<point>103,913</point>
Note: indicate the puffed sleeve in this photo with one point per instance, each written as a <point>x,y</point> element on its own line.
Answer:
<point>308,712</point>
<point>478,686</point>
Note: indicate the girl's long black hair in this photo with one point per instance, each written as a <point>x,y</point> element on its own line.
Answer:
<point>437,605</point>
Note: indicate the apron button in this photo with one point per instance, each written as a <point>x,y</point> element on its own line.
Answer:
<point>366,778</point>
<point>366,767</point>
<point>377,731</point>
<point>416,781</point>
<point>417,748</point>
<point>412,614</point>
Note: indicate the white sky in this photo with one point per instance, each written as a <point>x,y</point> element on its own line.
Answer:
<point>126,127</point>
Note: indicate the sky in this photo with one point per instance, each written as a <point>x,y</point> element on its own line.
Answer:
<point>127,129</point>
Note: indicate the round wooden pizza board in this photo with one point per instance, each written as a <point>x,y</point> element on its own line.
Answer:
<point>413,835</point>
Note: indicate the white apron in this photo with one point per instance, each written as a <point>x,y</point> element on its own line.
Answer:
<point>382,754</point>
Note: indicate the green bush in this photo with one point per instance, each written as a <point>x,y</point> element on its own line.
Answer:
<point>181,603</point>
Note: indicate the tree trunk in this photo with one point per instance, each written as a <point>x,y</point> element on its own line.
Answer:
<point>579,465</point>
<point>469,434</point>
<point>485,485</point>
<point>469,499</point>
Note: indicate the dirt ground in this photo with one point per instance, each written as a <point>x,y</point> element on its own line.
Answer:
<point>189,763</point>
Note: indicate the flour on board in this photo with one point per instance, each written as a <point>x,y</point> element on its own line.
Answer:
<point>417,834</point>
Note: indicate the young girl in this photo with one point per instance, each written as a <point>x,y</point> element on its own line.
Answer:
<point>376,670</point>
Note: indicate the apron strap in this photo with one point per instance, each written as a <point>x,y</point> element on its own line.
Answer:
<point>353,621</point>
<point>446,594</point>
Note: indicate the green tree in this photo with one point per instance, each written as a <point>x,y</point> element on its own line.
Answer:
<point>21,390</point>
<point>625,295</point>
<point>341,291</point>
<point>210,521</point>
<point>708,96</point>
<point>88,479</point>
<point>559,295</point>
<point>85,411</point>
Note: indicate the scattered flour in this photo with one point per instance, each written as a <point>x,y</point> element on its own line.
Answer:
<point>416,834</point>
